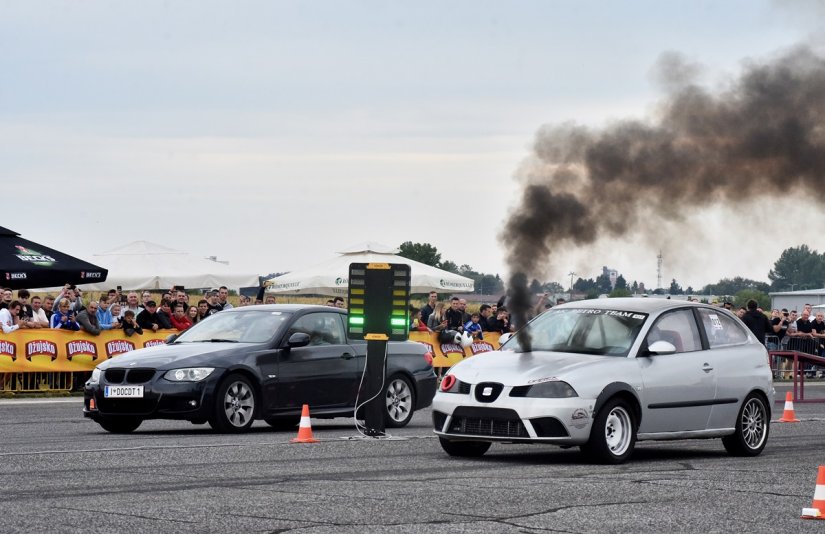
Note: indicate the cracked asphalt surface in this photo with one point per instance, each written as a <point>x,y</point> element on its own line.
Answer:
<point>62,473</point>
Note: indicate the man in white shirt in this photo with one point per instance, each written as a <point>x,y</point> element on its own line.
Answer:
<point>39,319</point>
<point>8,317</point>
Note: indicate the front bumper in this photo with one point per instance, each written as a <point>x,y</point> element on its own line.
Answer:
<point>162,399</point>
<point>562,421</point>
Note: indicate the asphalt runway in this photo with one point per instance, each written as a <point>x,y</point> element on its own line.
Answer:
<point>62,473</point>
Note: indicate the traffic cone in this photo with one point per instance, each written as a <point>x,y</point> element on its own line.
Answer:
<point>305,428</point>
<point>817,509</point>
<point>788,416</point>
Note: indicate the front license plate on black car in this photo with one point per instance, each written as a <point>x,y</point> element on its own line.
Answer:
<point>134,392</point>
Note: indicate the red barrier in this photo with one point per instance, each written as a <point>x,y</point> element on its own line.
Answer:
<point>799,372</point>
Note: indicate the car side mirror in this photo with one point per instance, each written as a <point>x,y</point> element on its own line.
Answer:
<point>661,347</point>
<point>171,338</point>
<point>298,339</point>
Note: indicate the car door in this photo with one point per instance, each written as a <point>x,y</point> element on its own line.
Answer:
<point>730,353</point>
<point>679,388</point>
<point>321,374</point>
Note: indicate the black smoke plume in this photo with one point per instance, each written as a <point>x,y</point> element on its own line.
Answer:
<point>732,147</point>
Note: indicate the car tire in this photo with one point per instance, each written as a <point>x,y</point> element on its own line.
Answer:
<point>283,423</point>
<point>752,428</point>
<point>120,425</point>
<point>399,401</point>
<point>234,409</point>
<point>465,449</point>
<point>613,435</point>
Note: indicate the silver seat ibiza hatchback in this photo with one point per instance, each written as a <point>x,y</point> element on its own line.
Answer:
<point>603,374</point>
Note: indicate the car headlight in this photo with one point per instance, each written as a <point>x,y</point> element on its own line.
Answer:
<point>192,374</point>
<point>551,390</point>
<point>95,378</point>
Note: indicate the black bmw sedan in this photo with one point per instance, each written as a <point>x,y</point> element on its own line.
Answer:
<point>256,362</point>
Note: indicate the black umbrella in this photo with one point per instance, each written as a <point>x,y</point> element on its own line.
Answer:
<point>27,264</point>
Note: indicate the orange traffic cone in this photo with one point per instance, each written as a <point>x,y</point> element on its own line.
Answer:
<point>788,416</point>
<point>305,428</point>
<point>817,509</point>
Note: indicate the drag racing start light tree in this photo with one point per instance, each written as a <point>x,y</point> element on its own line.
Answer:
<point>378,299</point>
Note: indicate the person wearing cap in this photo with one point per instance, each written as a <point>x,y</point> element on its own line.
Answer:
<point>212,299</point>
<point>148,319</point>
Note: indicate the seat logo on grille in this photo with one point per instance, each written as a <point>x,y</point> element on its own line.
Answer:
<point>486,392</point>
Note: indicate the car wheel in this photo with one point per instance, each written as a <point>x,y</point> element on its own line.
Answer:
<point>234,405</point>
<point>752,426</point>
<point>283,423</point>
<point>465,449</point>
<point>399,401</point>
<point>120,425</point>
<point>613,435</point>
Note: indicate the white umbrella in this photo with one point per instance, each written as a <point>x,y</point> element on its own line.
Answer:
<point>330,277</point>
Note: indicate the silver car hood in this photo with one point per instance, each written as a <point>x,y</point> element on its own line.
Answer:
<point>521,368</point>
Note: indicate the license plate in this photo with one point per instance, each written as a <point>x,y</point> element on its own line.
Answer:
<point>129,392</point>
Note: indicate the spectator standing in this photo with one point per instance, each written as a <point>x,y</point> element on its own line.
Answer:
<point>131,304</point>
<point>165,314</point>
<point>192,314</point>
<point>6,301</point>
<point>179,319</point>
<point>129,324</point>
<point>338,302</point>
<point>485,312</point>
<point>115,310</point>
<point>212,300</point>
<point>416,324</point>
<point>48,306</point>
<point>87,319</point>
<point>501,323</point>
<point>144,298</point>
<point>25,308</point>
<point>182,298</point>
<point>454,316</point>
<point>223,294</point>
<point>473,327</point>
<point>428,308</point>
<point>270,299</point>
<point>462,305</point>
<point>756,321</point>
<point>818,330</point>
<point>779,324</point>
<point>148,319</point>
<point>64,318</point>
<point>104,315</point>
<point>203,310</point>
<point>437,322</point>
<point>39,317</point>
<point>73,295</point>
<point>8,317</point>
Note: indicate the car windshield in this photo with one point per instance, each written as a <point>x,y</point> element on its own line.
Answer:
<point>253,326</point>
<point>581,330</point>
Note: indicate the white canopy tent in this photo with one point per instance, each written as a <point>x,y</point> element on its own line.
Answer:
<point>145,265</point>
<point>330,277</point>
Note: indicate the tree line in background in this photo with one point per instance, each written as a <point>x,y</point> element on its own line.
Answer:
<point>797,268</point>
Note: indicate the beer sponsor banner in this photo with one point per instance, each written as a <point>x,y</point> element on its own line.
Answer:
<point>46,350</point>
<point>449,354</point>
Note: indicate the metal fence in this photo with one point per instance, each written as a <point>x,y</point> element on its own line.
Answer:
<point>782,367</point>
<point>36,382</point>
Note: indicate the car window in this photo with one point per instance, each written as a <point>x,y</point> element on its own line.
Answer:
<point>323,328</point>
<point>722,330</point>
<point>678,328</point>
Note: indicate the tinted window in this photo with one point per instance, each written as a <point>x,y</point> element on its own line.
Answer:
<point>722,331</point>
<point>323,328</point>
<point>678,328</point>
<point>254,326</point>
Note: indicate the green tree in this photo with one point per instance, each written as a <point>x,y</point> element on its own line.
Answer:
<point>635,286</point>
<point>535,287</point>
<point>742,298</point>
<point>675,288</point>
<point>731,286</point>
<point>585,286</point>
<point>603,283</point>
<point>488,284</point>
<point>796,267</point>
<point>553,287</point>
<point>422,252</point>
<point>621,283</point>
<point>448,266</point>
<point>619,292</point>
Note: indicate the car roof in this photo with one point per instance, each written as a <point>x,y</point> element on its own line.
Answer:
<point>292,308</point>
<point>634,304</point>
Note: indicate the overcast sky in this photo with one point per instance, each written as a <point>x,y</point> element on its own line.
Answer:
<point>273,134</point>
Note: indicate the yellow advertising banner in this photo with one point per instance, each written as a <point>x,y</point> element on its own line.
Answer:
<point>47,350</point>
<point>449,354</point>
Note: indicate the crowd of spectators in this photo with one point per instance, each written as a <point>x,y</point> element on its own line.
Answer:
<point>131,312</point>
